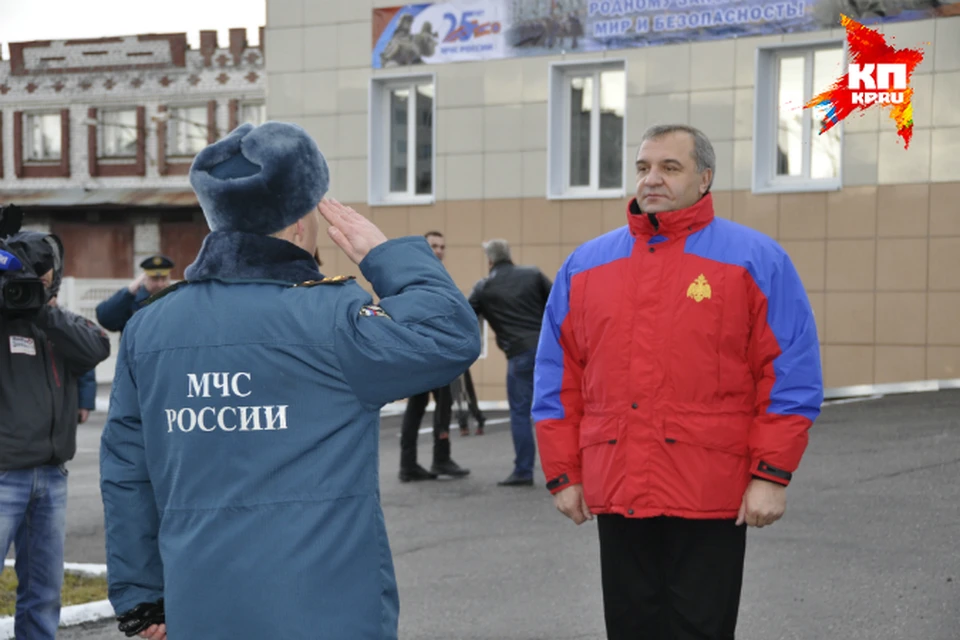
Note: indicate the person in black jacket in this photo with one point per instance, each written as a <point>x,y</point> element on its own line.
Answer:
<point>512,299</point>
<point>42,355</point>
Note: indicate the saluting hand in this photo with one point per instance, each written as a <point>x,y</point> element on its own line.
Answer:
<point>763,503</point>
<point>570,502</point>
<point>353,233</point>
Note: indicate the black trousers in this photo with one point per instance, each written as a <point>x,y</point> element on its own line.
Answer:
<point>410,428</point>
<point>670,578</point>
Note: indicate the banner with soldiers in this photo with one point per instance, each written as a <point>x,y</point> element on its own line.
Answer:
<point>466,30</point>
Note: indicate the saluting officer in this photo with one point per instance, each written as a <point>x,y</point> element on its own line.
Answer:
<point>114,312</point>
<point>239,462</point>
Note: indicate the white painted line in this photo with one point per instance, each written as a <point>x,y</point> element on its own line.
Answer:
<point>852,400</point>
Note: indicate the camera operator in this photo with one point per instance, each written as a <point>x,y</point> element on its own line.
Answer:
<point>43,352</point>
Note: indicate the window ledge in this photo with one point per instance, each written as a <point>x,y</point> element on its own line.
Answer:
<point>799,186</point>
<point>403,201</point>
<point>599,194</point>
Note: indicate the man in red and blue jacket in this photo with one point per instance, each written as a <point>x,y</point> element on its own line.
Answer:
<point>677,374</point>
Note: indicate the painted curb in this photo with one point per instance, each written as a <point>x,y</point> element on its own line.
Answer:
<point>74,614</point>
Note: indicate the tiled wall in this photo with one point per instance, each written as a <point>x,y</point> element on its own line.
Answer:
<point>880,259</point>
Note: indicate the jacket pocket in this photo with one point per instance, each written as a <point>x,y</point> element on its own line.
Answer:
<point>599,435</point>
<point>710,460</point>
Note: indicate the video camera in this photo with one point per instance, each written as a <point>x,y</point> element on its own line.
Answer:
<point>21,290</point>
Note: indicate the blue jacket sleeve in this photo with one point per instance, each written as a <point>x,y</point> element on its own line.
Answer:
<point>114,312</point>
<point>131,520</point>
<point>87,390</point>
<point>427,336</point>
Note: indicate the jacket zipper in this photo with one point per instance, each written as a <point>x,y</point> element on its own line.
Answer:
<point>53,399</point>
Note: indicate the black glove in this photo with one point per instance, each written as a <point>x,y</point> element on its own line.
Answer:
<point>141,617</point>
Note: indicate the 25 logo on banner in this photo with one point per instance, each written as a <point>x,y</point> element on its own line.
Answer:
<point>465,28</point>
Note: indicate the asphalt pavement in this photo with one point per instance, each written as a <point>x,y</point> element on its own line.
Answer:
<point>868,548</point>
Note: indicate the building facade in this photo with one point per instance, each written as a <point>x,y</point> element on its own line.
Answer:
<point>97,136</point>
<point>539,150</point>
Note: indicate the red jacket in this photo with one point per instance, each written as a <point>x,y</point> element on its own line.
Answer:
<point>674,363</point>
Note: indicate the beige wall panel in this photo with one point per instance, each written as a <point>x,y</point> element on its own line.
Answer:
<point>393,221</point>
<point>615,213</point>
<point>803,216</point>
<point>901,264</point>
<point>944,266</point>
<point>464,223</point>
<point>848,365</point>
<point>723,204</point>
<point>540,221</point>
<point>851,265</point>
<point>757,212</point>
<point>809,258</point>
<point>900,364</point>
<point>432,217</point>
<point>943,363</point>
<point>943,312</point>
<point>903,210</point>
<point>852,213</point>
<point>503,219</point>
<point>580,220</point>
<point>944,207</point>
<point>901,318</point>
<point>850,318</point>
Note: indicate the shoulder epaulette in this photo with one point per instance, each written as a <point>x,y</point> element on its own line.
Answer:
<point>163,292</point>
<point>327,280</point>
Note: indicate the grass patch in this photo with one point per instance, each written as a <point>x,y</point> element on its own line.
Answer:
<point>77,589</point>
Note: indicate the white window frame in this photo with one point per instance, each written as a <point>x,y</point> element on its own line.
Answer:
<point>27,141</point>
<point>558,130</point>
<point>172,128</point>
<point>102,133</point>
<point>251,103</point>
<point>378,141</point>
<point>764,178</point>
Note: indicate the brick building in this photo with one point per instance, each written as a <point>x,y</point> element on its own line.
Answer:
<point>96,137</point>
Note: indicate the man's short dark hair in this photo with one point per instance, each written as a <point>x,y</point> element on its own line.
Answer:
<point>433,233</point>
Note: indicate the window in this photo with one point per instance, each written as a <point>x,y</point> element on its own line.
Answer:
<point>790,153</point>
<point>402,140</point>
<point>118,133</point>
<point>254,113</point>
<point>586,130</point>
<point>41,141</point>
<point>187,131</point>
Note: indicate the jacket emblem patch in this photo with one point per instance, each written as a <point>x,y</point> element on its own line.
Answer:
<point>699,289</point>
<point>373,310</point>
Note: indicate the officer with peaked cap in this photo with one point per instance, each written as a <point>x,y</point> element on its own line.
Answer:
<point>239,462</point>
<point>114,312</point>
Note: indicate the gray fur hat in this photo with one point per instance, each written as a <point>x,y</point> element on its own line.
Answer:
<point>259,179</point>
